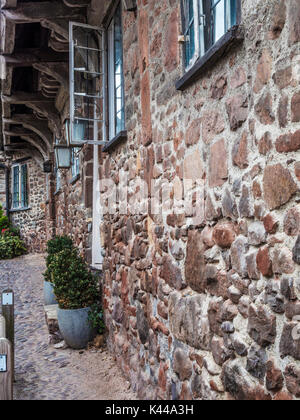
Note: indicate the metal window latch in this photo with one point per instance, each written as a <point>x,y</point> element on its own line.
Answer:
<point>202,20</point>
<point>183,38</point>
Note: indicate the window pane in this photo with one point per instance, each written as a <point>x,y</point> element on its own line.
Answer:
<point>87,83</point>
<point>16,187</point>
<point>189,31</point>
<point>75,161</point>
<point>218,11</point>
<point>87,88</point>
<point>232,12</point>
<point>87,108</point>
<point>86,60</point>
<point>118,71</point>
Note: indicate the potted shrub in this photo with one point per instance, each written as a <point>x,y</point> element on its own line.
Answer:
<point>76,290</point>
<point>54,246</point>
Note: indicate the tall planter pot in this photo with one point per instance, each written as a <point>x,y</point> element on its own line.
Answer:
<point>49,296</point>
<point>75,327</point>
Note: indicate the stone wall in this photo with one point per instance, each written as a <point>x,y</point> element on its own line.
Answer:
<point>208,311</point>
<point>32,222</point>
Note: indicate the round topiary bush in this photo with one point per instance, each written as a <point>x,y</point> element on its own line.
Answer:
<point>75,287</point>
<point>54,246</point>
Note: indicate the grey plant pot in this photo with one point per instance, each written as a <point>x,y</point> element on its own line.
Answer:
<point>49,295</point>
<point>75,327</point>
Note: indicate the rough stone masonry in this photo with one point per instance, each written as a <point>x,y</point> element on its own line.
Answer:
<point>210,311</point>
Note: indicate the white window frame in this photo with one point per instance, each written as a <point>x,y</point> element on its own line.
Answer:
<point>95,140</point>
<point>111,89</point>
<point>75,162</point>
<point>20,206</point>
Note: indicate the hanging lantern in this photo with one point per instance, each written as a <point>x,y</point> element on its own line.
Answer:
<point>62,156</point>
<point>62,152</point>
<point>130,5</point>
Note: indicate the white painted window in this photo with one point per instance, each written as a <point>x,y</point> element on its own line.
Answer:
<point>75,161</point>
<point>87,85</point>
<point>115,75</point>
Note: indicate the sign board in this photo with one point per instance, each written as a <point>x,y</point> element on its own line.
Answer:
<point>7,299</point>
<point>3,363</point>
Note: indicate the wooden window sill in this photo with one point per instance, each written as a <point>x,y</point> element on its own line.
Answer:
<point>122,136</point>
<point>233,37</point>
<point>19,209</point>
<point>74,179</point>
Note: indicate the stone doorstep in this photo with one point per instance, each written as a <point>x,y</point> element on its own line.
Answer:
<point>51,318</point>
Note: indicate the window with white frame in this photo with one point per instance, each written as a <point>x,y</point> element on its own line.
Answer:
<point>87,85</point>
<point>19,186</point>
<point>75,161</point>
<point>204,23</point>
<point>57,179</point>
<point>115,74</point>
<point>96,81</point>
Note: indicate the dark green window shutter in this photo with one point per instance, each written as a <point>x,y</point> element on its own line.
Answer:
<point>24,186</point>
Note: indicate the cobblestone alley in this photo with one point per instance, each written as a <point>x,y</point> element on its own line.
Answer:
<point>42,372</point>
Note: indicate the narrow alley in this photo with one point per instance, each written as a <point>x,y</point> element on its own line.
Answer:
<point>41,371</point>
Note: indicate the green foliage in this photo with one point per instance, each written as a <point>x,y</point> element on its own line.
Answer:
<point>4,222</point>
<point>11,247</point>
<point>59,243</point>
<point>75,287</point>
<point>54,246</point>
<point>96,318</point>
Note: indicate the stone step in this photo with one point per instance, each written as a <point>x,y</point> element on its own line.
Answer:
<point>51,318</point>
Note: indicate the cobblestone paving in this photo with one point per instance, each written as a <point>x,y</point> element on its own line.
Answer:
<point>41,372</point>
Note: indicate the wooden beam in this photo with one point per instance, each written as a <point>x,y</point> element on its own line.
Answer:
<point>77,3</point>
<point>37,126</point>
<point>58,45</point>
<point>61,26</point>
<point>8,4</point>
<point>34,55</point>
<point>24,98</point>
<point>6,111</point>
<point>59,71</point>
<point>36,102</point>
<point>7,35</point>
<point>35,12</point>
<point>34,141</point>
<point>30,138</point>
<point>7,80</point>
<point>28,150</point>
<point>27,134</point>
